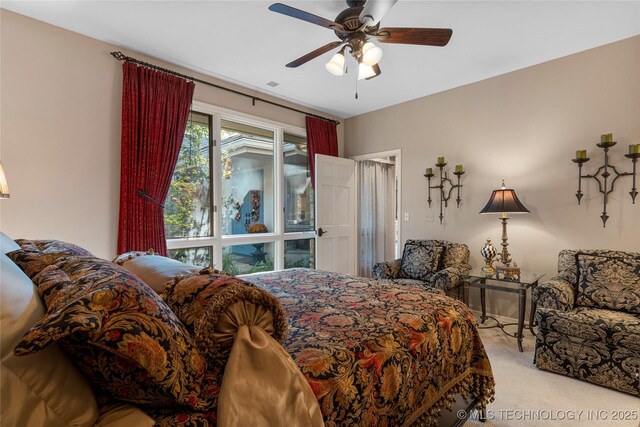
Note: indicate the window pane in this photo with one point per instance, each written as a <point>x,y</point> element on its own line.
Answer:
<point>300,253</point>
<point>197,256</point>
<point>247,177</point>
<point>187,210</point>
<point>250,258</point>
<point>298,193</point>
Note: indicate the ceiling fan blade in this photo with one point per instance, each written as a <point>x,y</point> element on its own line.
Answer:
<point>374,10</point>
<point>305,16</point>
<point>422,36</point>
<point>311,55</point>
<point>377,70</point>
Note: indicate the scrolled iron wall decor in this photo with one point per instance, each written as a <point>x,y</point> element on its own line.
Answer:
<point>606,171</point>
<point>446,185</point>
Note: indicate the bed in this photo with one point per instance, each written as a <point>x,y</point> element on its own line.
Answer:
<point>366,353</point>
<point>376,353</point>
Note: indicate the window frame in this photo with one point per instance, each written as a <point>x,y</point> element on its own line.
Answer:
<point>278,236</point>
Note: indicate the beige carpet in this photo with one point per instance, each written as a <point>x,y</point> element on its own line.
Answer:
<point>527,396</point>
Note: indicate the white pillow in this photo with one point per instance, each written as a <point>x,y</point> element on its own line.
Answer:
<point>44,388</point>
<point>154,270</point>
<point>7,244</point>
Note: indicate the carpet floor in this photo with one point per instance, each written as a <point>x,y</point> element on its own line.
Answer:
<point>528,396</point>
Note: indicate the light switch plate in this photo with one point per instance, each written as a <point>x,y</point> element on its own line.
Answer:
<point>429,216</point>
<point>406,216</point>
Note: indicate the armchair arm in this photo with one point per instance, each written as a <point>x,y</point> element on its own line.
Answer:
<point>450,277</point>
<point>387,270</point>
<point>556,293</point>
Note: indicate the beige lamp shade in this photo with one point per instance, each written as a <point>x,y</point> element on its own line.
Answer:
<point>4,187</point>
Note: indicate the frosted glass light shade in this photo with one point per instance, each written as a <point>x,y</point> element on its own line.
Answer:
<point>336,65</point>
<point>365,71</point>
<point>371,54</point>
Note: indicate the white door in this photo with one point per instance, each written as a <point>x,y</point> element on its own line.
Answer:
<point>335,214</point>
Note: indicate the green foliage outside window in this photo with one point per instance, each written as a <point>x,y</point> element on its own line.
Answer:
<point>184,216</point>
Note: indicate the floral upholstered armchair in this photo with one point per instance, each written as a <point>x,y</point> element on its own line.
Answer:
<point>437,265</point>
<point>588,319</point>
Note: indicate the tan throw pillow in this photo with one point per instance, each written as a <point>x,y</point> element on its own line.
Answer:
<point>154,270</point>
<point>609,282</point>
<point>45,388</point>
<point>420,262</point>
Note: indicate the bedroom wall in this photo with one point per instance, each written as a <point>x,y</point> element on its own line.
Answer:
<point>60,131</point>
<point>523,127</point>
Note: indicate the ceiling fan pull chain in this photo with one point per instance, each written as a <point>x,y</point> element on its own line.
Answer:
<point>356,87</point>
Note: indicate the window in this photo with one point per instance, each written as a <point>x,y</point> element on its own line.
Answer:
<point>187,211</point>
<point>243,204</point>
<point>252,258</point>
<point>247,178</point>
<point>298,192</point>
<point>300,253</point>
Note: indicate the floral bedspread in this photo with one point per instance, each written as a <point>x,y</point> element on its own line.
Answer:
<point>379,354</point>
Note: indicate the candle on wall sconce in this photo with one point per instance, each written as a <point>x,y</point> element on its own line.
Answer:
<point>428,171</point>
<point>607,137</point>
<point>440,161</point>
<point>581,154</point>
<point>459,168</point>
<point>634,149</point>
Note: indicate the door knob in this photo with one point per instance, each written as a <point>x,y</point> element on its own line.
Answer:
<point>321,232</point>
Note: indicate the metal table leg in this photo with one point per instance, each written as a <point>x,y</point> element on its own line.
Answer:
<point>483,303</point>
<point>522,306</point>
<point>534,306</point>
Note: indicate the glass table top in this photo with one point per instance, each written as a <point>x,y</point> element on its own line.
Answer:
<point>525,277</point>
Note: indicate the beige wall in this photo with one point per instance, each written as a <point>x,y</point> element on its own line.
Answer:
<point>524,127</point>
<point>60,131</point>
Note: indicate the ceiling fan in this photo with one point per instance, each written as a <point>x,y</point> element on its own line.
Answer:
<point>355,26</point>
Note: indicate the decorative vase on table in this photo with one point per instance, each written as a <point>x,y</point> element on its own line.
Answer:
<point>488,252</point>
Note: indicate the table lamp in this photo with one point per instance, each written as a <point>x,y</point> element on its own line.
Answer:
<point>504,201</point>
<point>4,188</point>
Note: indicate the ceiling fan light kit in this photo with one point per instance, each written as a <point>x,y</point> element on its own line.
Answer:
<point>365,71</point>
<point>371,54</point>
<point>336,65</point>
<point>354,26</point>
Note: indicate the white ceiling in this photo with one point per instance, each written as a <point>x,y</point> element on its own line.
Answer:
<point>243,42</point>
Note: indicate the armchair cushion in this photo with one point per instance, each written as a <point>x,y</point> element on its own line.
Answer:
<point>388,270</point>
<point>420,262</point>
<point>609,282</point>
<point>614,328</point>
<point>449,277</point>
<point>410,282</point>
<point>556,293</point>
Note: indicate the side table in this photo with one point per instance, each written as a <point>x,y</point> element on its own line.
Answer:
<point>479,279</point>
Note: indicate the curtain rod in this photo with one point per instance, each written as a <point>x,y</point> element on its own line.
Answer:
<point>122,57</point>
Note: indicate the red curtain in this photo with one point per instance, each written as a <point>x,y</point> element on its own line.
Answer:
<point>322,138</point>
<point>155,109</point>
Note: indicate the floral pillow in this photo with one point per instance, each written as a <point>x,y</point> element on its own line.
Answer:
<point>117,330</point>
<point>420,262</point>
<point>609,282</point>
<point>35,255</point>
<point>52,246</point>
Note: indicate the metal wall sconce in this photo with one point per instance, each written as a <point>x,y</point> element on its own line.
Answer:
<point>446,185</point>
<point>605,186</point>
